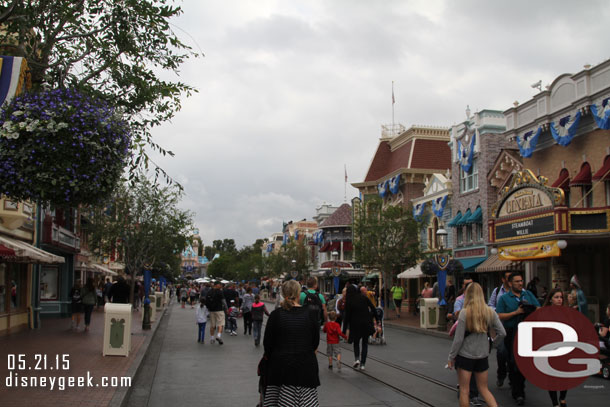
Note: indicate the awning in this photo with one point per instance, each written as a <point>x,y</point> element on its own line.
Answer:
<point>472,263</point>
<point>371,276</point>
<point>452,223</point>
<point>26,253</point>
<point>494,264</point>
<point>464,218</point>
<point>102,269</point>
<point>563,181</point>
<point>603,174</point>
<point>583,177</point>
<point>413,272</point>
<point>324,247</point>
<point>476,217</point>
<point>6,251</point>
<point>348,247</point>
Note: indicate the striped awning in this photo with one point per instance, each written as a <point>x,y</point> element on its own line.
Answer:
<point>494,264</point>
<point>26,253</point>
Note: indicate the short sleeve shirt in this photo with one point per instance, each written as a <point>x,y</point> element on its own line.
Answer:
<point>509,302</point>
<point>303,295</point>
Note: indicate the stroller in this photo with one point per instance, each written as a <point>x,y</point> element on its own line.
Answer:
<point>378,338</point>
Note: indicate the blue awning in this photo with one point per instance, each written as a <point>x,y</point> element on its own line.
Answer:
<point>464,218</point>
<point>472,263</point>
<point>452,222</point>
<point>476,217</point>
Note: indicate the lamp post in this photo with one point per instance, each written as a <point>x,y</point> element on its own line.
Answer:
<point>336,271</point>
<point>441,237</point>
<point>294,272</point>
<point>146,318</point>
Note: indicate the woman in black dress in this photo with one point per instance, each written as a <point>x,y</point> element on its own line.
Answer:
<point>359,314</point>
<point>291,339</point>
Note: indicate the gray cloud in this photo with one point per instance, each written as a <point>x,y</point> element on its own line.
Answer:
<point>292,91</point>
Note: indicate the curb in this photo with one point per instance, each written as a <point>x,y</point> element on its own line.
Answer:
<point>121,394</point>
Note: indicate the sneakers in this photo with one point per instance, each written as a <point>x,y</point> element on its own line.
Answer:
<point>362,368</point>
<point>500,382</point>
<point>520,401</point>
<point>233,333</point>
<point>219,340</point>
<point>330,367</point>
<point>212,341</point>
<point>475,401</point>
<point>356,364</point>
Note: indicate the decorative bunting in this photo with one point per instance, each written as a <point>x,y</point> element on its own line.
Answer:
<point>601,114</point>
<point>14,77</point>
<point>383,188</point>
<point>395,184</point>
<point>286,239</point>
<point>466,153</point>
<point>296,234</point>
<point>418,211</point>
<point>269,247</point>
<point>528,142</point>
<point>438,205</point>
<point>564,131</point>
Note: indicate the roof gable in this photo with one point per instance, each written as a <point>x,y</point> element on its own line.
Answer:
<point>341,217</point>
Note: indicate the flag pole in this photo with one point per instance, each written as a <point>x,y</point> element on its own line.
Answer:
<point>393,101</point>
<point>345,184</point>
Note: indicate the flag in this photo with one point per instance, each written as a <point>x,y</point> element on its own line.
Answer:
<point>393,100</point>
<point>345,168</point>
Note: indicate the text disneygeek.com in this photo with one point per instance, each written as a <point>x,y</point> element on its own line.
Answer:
<point>15,380</point>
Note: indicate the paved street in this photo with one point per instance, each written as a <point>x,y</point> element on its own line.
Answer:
<point>178,369</point>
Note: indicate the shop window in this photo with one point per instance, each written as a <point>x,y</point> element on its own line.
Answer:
<point>469,181</point>
<point>49,283</point>
<point>13,287</point>
<point>459,235</point>
<point>587,196</point>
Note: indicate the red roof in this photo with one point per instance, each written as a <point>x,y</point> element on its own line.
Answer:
<point>563,180</point>
<point>342,216</point>
<point>325,247</point>
<point>604,172</point>
<point>583,177</point>
<point>428,154</point>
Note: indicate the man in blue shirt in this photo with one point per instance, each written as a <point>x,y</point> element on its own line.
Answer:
<point>512,308</point>
<point>501,356</point>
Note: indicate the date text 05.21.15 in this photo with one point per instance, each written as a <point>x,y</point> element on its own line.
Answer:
<point>38,361</point>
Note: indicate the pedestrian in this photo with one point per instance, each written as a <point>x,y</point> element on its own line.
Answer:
<point>258,309</point>
<point>99,293</point>
<point>427,291</point>
<point>215,303</point>
<point>532,286</point>
<point>183,295</point>
<point>470,347</point>
<point>501,354</point>
<point>313,300</point>
<point>89,297</point>
<point>77,303</point>
<point>340,306</point>
<point>603,332</point>
<point>107,288</point>
<point>512,308</point>
<point>246,309</point>
<point>202,314</point>
<point>359,313</point>
<point>233,314</point>
<point>398,294</point>
<point>333,332</point>
<point>555,298</point>
<point>119,292</point>
<point>581,299</point>
<point>291,340</point>
<point>193,294</point>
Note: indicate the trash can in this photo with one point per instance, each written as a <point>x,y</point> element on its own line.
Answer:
<point>117,329</point>
<point>159,301</point>
<point>428,311</point>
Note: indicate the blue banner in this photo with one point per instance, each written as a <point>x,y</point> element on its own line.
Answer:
<point>466,154</point>
<point>528,142</point>
<point>336,284</point>
<point>564,131</point>
<point>438,205</point>
<point>395,184</point>
<point>601,114</point>
<point>442,280</point>
<point>383,188</point>
<point>418,211</point>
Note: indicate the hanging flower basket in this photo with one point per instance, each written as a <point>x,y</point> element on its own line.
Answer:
<point>61,147</point>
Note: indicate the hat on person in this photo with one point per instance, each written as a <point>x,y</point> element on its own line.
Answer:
<point>232,301</point>
<point>575,281</point>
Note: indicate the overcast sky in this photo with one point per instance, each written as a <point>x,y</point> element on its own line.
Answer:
<point>291,91</point>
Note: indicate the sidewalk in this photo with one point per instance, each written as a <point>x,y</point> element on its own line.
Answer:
<point>84,350</point>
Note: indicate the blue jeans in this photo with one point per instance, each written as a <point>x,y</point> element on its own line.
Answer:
<point>257,330</point>
<point>201,334</point>
<point>232,324</point>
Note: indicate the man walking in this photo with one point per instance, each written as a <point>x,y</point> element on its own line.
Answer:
<point>214,301</point>
<point>501,355</point>
<point>512,308</point>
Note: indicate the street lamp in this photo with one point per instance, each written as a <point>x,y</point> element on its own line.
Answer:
<point>335,255</point>
<point>441,236</point>
<point>293,272</point>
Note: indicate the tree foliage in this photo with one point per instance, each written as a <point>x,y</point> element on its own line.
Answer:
<point>115,48</point>
<point>233,264</point>
<point>278,263</point>
<point>143,223</point>
<point>385,238</point>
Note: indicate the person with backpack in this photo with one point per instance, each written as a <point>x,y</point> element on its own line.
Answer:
<point>314,301</point>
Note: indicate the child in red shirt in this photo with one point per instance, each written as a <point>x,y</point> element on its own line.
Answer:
<point>333,331</point>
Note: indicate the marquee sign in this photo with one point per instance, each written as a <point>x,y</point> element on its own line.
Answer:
<point>526,227</point>
<point>525,200</point>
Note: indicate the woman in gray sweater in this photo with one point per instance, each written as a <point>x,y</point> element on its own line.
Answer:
<point>470,347</point>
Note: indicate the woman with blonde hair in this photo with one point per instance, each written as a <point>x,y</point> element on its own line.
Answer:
<point>291,339</point>
<point>470,347</point>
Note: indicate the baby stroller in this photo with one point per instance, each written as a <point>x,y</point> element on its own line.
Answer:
<point>378,338</point>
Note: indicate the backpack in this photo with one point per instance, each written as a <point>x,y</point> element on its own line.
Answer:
<point>313,302</point>
<point>341,304</point>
